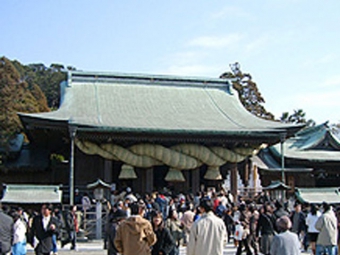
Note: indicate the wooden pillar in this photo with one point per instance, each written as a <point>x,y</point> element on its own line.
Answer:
<point>148,180</point>
<point>107,176</point>
<point>246,178</point>
<point>107,171</point>
<point>233,181</point>
<point>246,174</point>
<point>195,180</point>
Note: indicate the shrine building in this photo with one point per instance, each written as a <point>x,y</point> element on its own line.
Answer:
<point>147,132</point>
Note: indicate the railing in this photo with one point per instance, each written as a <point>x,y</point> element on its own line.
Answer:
<point>249,193</point>
<point>87,221</point>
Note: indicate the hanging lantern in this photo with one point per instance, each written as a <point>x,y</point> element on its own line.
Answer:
<point>213,173</point>
<point>174,175</point>
<point>127,172</point>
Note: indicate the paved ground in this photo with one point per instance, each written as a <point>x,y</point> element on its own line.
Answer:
<point>96,248</point>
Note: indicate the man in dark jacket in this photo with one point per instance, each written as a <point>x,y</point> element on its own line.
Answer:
<point>44,226</point>
<point>6,228</point>
<point>298,220</point>
<point>117,217</point>
<point>278,213</point>
<point>265,226</point>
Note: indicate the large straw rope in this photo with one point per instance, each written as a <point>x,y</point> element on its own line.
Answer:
<point>181,156</point>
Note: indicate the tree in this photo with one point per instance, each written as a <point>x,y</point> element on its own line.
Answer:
<point>16,95</point>
<point>248,92</point>
<point>47,78</point>
<point>297,117</point>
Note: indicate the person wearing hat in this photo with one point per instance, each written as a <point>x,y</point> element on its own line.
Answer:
<point>135,235</point>
<point>207,235</point>
<point>118,216</point>
<point>286,242</point>
<point>327,224</point>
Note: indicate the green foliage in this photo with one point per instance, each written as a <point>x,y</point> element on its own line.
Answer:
<point>47,78</point>
<point>248,91</point>
<point>297,117</point>
<point>56,158</point>
<point>16,95</point>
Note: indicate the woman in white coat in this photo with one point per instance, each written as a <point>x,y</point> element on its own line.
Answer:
<point>19,235</point>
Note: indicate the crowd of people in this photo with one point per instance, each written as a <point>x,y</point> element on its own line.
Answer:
<point>41,230</point>
<point>207,221</point>
<point>160,222</point>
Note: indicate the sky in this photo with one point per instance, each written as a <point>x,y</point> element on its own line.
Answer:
<point>290,47</point>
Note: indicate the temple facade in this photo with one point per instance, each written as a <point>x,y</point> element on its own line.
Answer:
<point>147,132</point>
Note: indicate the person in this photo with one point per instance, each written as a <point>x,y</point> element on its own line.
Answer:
<point>161,200</point>
<point>265,226</point>
<point>328,232</point>
<point>175,227</point>
<point>135,235</point>
<point>6,227</point>
<point>44,226</point>
<point>279,211</point>
<point>187,221</point>
<point>86,204</point>
<point>338,218</point>
<point>311,219</point>
<point>263,198</point>
<point>243,227</point>
<point>220,209</point>
<point>61,225</point>
<point>71,227</point>
<point>208,234</point>
<point>229,223</point>
<point>118,216</point>
<point>19,235</point>
<point>77,197</point>
<point>165,244</point>
<point>129,195</point>
<point>253,220</point>
<point>286,242</point>
<point>298,220</point>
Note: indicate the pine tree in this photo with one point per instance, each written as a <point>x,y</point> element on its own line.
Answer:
<point>248,92</point>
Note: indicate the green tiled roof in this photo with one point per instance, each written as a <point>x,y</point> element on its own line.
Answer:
<point>151,103</point>
<point>318,195</point>
<point>277,185</point>
<point>314,144</point>
<point>32,194</point>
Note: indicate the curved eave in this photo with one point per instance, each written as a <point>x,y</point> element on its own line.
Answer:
<point>269,136</point>
<point>308,155</point>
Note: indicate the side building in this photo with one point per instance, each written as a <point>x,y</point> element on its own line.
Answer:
<point>311,159</point>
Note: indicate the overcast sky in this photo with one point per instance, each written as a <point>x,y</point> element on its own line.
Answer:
<point>290,47</point>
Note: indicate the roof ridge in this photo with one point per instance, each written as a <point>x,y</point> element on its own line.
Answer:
<point>81,76</point>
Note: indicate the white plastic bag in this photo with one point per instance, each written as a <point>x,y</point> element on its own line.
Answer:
<point>238,232</point>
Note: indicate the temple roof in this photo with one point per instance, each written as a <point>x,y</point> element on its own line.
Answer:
<point>155,104</point>
<point>313,144</point>
<point>264,160</point>
<point>318,195</point>
<point>32,194</point>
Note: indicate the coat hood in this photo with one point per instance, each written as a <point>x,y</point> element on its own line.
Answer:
<point>136,224</point>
